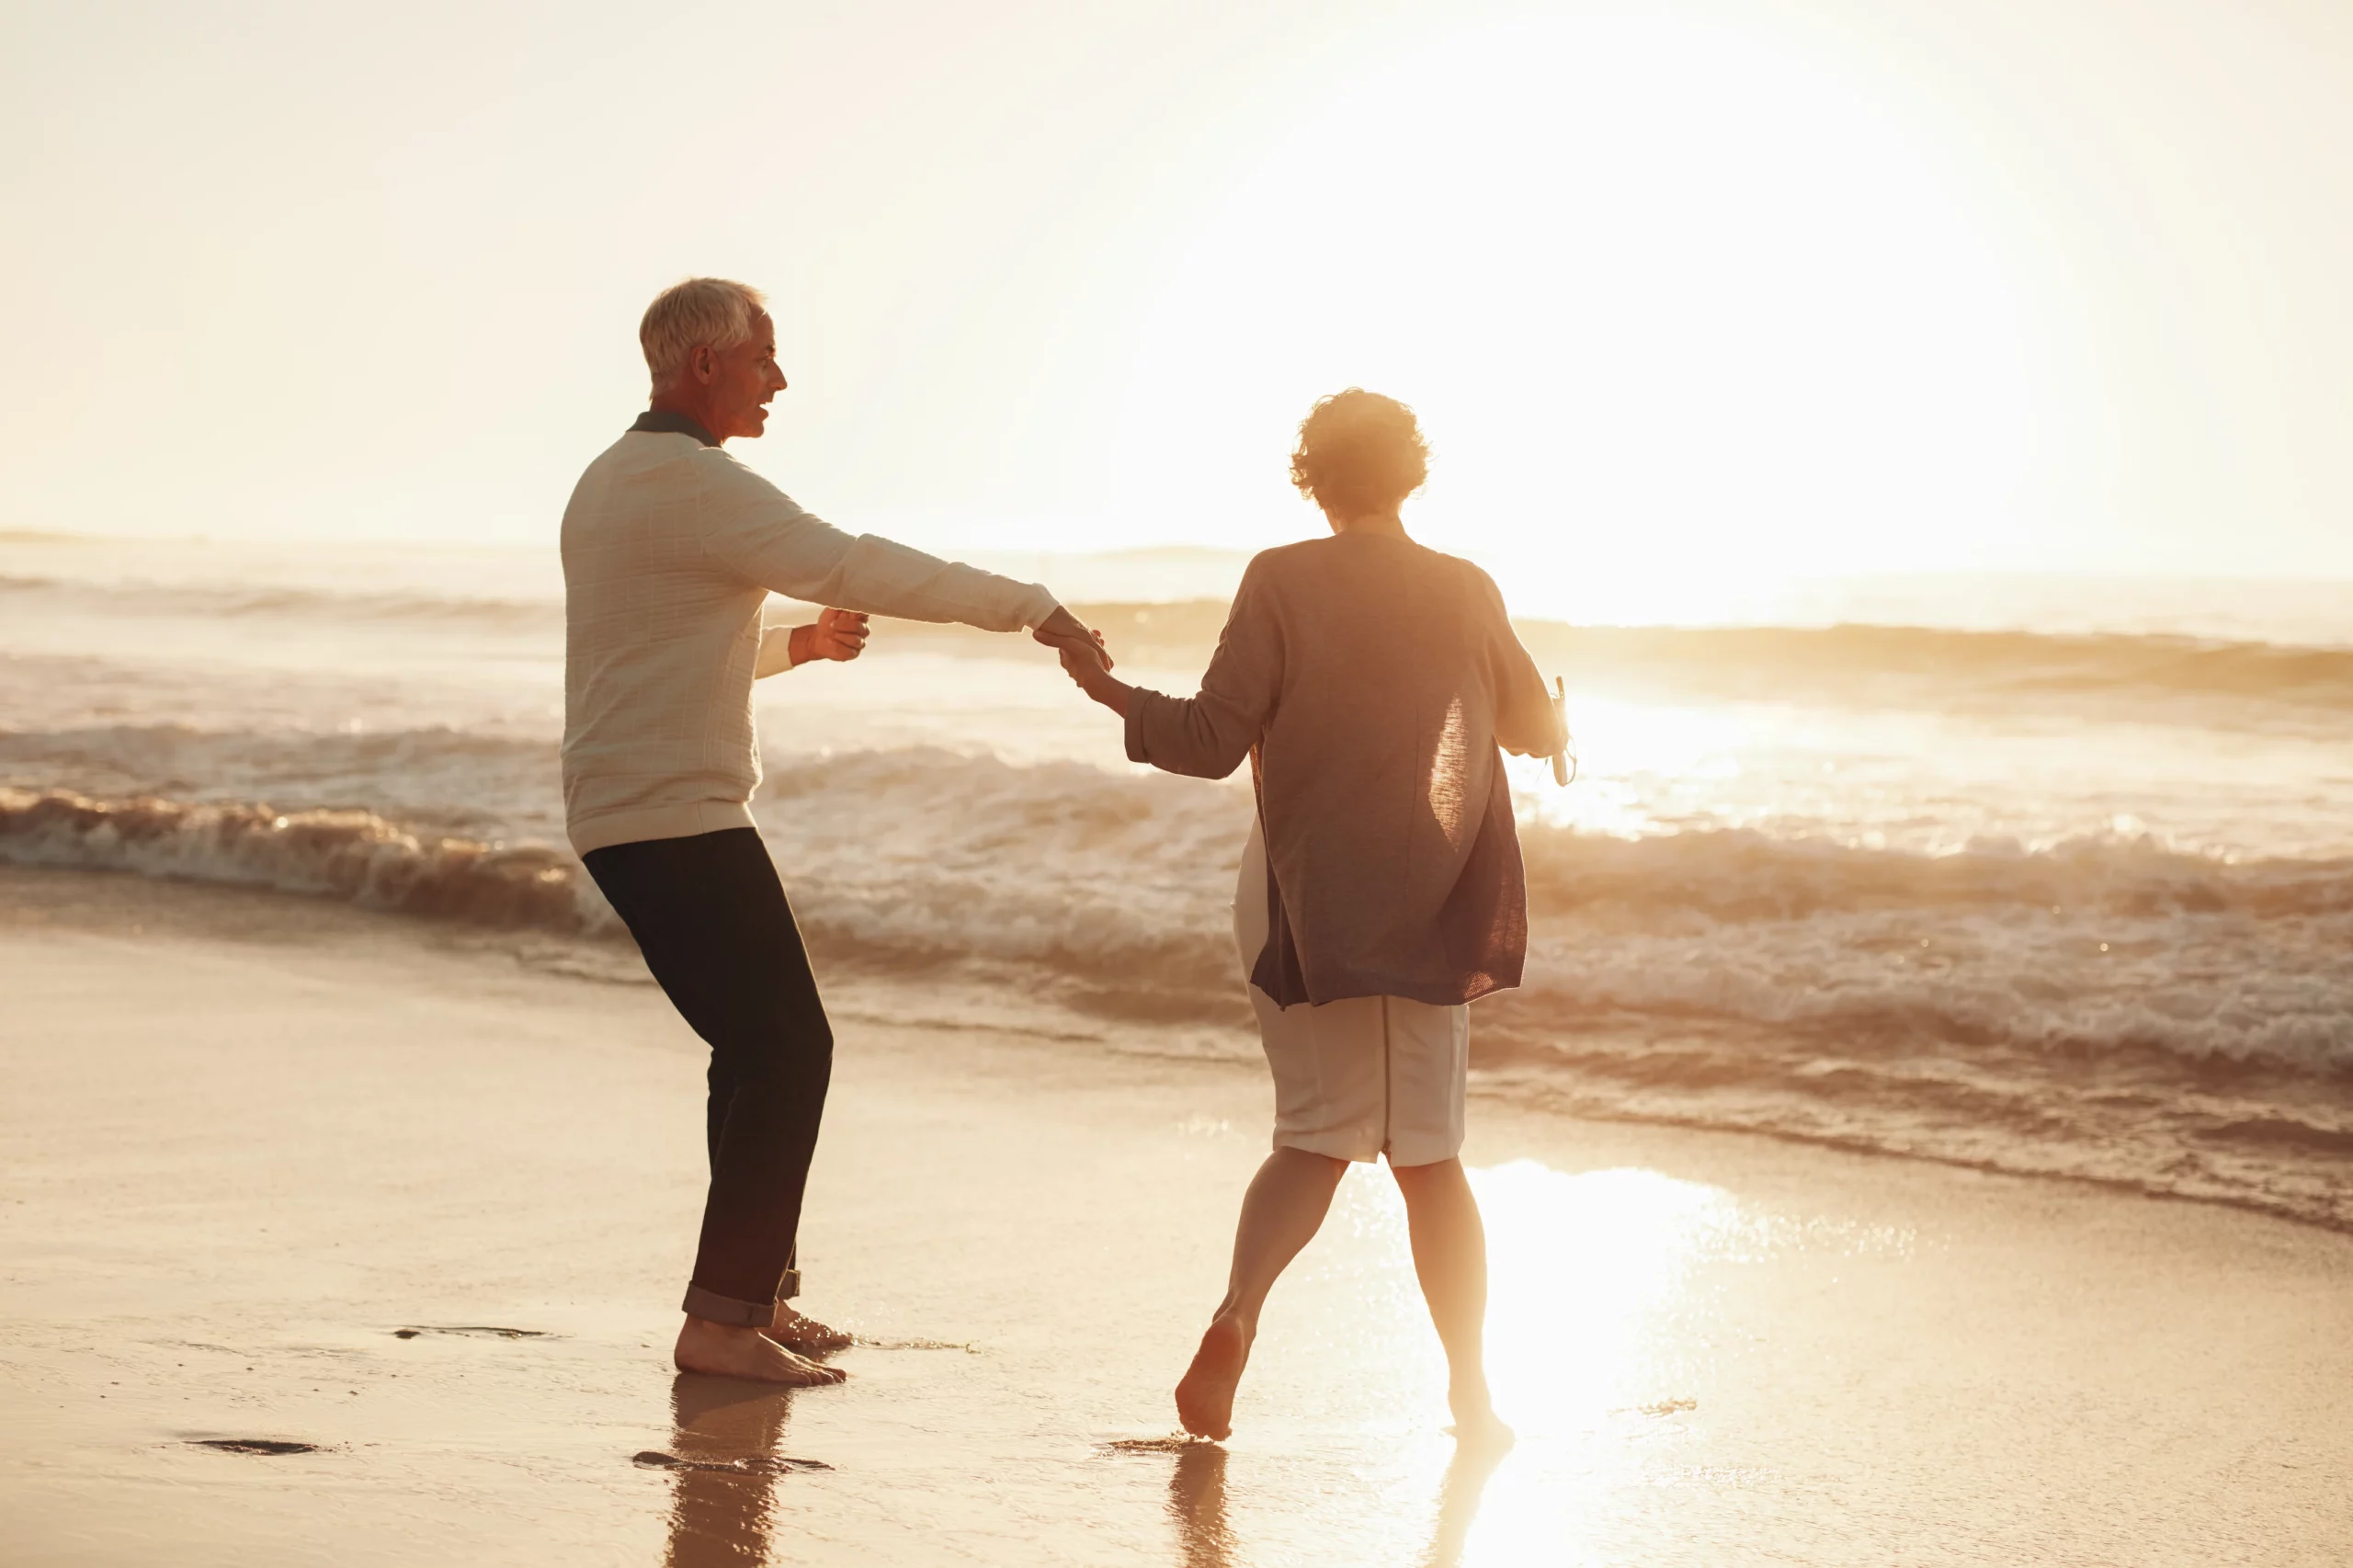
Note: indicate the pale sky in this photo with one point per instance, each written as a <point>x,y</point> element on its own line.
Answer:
<point>1783,287</point>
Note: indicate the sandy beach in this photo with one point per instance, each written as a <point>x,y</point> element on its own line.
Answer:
<point>280,1172</point>
<point>1790,557</point>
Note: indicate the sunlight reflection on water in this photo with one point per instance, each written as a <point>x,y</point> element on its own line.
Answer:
<point>1581,1266</point>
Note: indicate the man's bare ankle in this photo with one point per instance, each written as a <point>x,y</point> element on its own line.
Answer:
<point>694,1324</point>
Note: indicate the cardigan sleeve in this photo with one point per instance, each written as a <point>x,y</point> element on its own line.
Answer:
<point>1207,735</point>
<point>1526,723</point>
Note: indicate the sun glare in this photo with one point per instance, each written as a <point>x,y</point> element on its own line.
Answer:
<point>1582,1263</point>
<point>1679,312</point>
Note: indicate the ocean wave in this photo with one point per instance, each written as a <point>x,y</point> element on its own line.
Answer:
<point>1856,660</point>
<point>1115,884</point>
<point>948,808</point>
<point>1742,875</point>
<point>2105,1008</point>
<point>2208,990</point>
<point>353,856</point>
<point>1886,663</point>
<point>232,602</point>
<point>1851,661</point>
<point>437,779</point>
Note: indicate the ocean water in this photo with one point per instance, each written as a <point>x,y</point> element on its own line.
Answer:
<point>2038,875</point>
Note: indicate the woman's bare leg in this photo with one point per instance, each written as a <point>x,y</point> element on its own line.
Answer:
<point>1451,1260</point>
<point>1280,1213</point>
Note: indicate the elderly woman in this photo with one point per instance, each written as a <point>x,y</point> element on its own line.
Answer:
<point>1369,681</point>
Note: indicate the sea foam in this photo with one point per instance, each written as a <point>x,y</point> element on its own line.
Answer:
<point>2105,1007</point>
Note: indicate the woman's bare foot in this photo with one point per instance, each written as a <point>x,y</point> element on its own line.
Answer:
<point>1476,1425</point>
<point>798,1332</point>
<point>1205,1395</point>
<point>722,1350</point>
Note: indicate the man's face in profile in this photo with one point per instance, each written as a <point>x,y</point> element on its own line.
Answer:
<point>742,379</point>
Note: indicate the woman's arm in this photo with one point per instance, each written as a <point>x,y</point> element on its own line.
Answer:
<point>1527,723</point>
<point>1098,682</point>
<point>1206,735</point>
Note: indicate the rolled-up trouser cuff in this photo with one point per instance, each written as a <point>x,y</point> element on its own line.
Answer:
<point>716,1308</point>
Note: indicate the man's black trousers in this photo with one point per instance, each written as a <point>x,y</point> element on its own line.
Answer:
<point>709,915</point>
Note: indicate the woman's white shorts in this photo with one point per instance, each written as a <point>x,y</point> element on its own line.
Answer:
<point>1360,1077</point>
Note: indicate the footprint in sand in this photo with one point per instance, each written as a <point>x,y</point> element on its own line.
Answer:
<point>474,1330</point>
<point>255,1445</point>
<point>1175,1443</point>
<point>750,1465</point>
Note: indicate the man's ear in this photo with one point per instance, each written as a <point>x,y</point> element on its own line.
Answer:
<point>702,362</point>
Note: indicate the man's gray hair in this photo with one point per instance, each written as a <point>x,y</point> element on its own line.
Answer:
<point>701,312</point>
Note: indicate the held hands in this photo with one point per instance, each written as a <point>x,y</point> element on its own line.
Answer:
<point>1062,633</point>
<point>1085,659</point>
<point>1090,670</point>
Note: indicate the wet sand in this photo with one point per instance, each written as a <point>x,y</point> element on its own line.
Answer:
<point>249,1144</point>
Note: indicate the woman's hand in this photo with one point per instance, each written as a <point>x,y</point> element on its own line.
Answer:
<point>836,634</point>
<point>1095,679</point>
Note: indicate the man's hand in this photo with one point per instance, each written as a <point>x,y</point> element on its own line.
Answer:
<point>836,634</point>
<point>1062,633</point>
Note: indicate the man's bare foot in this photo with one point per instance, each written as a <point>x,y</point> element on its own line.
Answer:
<point>1205,1395</point>
<point>722,1350</point>
<point>1476,1425</point>
<point>796,1331</point>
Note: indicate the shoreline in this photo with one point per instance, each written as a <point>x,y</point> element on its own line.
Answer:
<point>253,1141</point>
<point>499,901</point>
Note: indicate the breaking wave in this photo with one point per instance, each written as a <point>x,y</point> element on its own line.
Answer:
<point>2104,1007</point>
<point>353,856</point>
<point>1119,881</point>
<point>1738,875</point>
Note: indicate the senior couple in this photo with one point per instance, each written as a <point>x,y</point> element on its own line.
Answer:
<point>1367,680</point>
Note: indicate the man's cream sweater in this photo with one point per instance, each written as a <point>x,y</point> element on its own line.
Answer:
<point>670,548</point>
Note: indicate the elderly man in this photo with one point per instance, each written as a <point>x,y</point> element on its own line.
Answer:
<point>670,549</point>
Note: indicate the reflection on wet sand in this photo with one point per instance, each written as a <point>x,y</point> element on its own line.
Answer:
<point>1205,1538</point>
<point>1458,1500</point>
<point>1197,1498</point>
<point>727,1437</point>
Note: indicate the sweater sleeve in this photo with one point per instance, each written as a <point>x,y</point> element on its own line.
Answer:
<point>1524,721</point>
<point>1208,734</point>
<point>762,535</point>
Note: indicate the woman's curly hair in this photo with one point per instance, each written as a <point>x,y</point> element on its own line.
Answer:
<point>1359,452</point>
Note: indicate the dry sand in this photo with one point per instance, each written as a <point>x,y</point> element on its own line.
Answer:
<point>249,1142</point>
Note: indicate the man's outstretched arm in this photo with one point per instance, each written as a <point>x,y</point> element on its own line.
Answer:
<point>762,535</point>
